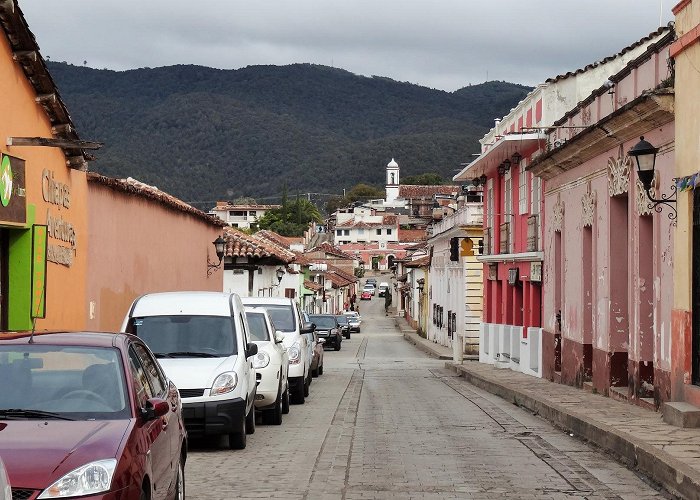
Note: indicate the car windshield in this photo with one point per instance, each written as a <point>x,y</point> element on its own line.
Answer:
<point>62,382</point>
<point>187,336</point>
<point>258,327</point>
<point>323,321</point>
<point>282,315</point>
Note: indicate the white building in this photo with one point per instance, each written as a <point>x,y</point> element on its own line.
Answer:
<point>363,226</point>
<point>240,216</point>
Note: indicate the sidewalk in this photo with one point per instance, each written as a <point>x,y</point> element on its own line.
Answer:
<point>636,436</point>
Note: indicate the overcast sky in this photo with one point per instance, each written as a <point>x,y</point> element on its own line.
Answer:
<point>444,44</point>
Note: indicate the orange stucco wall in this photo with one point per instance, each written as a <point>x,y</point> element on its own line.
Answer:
<point>21,116</point>
<point>140,246</point>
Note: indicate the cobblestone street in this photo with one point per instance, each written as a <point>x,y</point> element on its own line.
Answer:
<point>386,421</point>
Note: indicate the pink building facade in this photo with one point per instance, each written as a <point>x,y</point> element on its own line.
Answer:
<point>515,243</point>
<point>608,265</point>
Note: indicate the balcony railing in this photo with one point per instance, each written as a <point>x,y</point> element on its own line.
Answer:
<point>533,233</point>
<point>471,214</point>
<point>505,240</point>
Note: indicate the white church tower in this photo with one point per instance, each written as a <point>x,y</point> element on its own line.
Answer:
<point>392,181</point>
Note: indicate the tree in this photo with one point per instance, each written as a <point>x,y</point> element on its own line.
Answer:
<point>292,218</point>
<point>364,192</point>
<point>425,179</point>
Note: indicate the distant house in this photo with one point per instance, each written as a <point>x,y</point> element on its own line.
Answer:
<point>420,199</point>
<point>240,216</point>
<point>363,226</point>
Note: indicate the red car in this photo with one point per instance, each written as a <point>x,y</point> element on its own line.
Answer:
<point>366,296</point>
<point>90,415</point>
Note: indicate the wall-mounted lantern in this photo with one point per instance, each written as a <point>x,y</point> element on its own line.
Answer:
<point>219,245</point>
<point>644,154</point>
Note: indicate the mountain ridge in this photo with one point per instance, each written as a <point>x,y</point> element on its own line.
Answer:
<point>204,134</point>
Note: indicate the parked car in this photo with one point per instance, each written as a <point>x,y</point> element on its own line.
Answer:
<point>383,287</point>
<point>85,415</point>
<point>366,295</point>
<point>317,361</point>
<point>355,320</point>
<point>287,318</point>
<point>200,340</point>
<point>271,365</point>
<point>311,341</point>
<point>328,329</point>
<point>5,488</point>
<point>342,320</point>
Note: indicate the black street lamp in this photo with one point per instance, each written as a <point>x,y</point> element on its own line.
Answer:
<point>280,274</point>
<point>644,154</point>
<point>219,245</point>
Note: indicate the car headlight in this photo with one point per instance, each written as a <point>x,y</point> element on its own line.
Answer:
<point>261,360</point>
<point>89,479</point>
<point>294,352</point>
<point>226,382</point>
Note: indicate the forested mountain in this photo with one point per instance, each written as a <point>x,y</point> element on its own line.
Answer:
<point>204,134</point>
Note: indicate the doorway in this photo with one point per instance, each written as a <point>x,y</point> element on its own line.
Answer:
<point>4,278</point>
<point>695,353</point>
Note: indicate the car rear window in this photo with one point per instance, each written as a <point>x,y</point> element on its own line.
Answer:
<point>258,326</point>
<point>282,315</point>
<point>71,382</point>
<point>187,336</point>
<point>323,321</point>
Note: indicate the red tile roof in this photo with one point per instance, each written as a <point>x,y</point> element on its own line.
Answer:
<point>408,191</point>
<point>224,205</point>
<point>313,286</point>
<point>421,262</point>
<point>136,188</point>
<point>412,235</point>
<point>239,244</point>
<point>331,250</point>
<point>278,239</point>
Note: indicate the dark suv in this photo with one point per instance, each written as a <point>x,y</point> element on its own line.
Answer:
<point>327,328</point>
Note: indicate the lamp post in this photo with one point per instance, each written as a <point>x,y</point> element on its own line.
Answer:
<point>644,154</point>
<point>219,245</point>
<point>280,274</point>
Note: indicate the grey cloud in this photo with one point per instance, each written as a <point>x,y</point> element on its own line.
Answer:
<point>443,44</point>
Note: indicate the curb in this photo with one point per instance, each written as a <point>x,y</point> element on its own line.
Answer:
<point>410,336</point>
<point>677,477</point>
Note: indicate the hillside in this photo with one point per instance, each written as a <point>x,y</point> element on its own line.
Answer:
<point>204,134</point>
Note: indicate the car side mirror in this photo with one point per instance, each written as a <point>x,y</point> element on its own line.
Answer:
<point>308,327</point>
<point>279,337</point>
<point>155,407</point>
<point>251,350</point>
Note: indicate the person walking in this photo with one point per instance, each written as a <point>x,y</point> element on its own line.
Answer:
<point>387,301</point>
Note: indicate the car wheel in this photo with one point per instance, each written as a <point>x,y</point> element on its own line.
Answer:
<point>237,440</point>
<point>144,494</point>
<point>285,401</point>
<point>180,481</point>
<point>273,416</point>
<point>298,395</point>
<point>250,421</point>
<point>307,385</point>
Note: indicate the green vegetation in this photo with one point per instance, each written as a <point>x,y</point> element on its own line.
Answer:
<point>291,219</point>
<point>206,134</point>
<point>426,179</point>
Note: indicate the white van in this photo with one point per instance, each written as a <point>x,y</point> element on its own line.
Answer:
<point>287,318</point>
<point>202,342</point>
